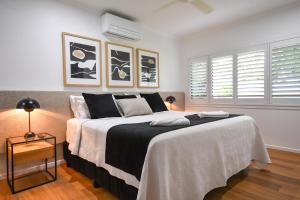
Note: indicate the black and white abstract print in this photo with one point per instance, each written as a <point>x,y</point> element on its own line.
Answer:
<point>82,61</point>
<point>120,66</point>
<point>148,69</point>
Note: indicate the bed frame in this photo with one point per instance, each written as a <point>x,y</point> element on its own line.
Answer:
<point>99,176</point>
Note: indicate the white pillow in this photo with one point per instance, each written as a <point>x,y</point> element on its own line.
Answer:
<point>79,107</point>
<point>170,121</point>
<point>134,107</point>
<point>82,109</point>
<point>73,105</point>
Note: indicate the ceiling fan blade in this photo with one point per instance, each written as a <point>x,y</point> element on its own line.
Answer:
<point>167,5</point>
<point>201,5</point>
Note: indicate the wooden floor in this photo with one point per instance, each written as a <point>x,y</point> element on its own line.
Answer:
<point>280,181</point>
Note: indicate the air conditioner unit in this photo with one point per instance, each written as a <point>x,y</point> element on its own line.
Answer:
<point>119,27</point>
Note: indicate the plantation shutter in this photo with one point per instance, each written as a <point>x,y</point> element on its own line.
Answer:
<point>286,72</point>
<point>198,79</point>
<point>250,74</point>
<point>222,77</point>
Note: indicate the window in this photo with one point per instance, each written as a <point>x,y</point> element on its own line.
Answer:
<point>198,79</point>
<point>286,71</point>
<point>222,77</point>
<point>250,75</point>
<point>268,74</point>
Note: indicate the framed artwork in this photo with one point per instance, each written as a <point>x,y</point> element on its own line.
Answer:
<point>148,68</point>
<point>81,60</point>
<point>119,65</point>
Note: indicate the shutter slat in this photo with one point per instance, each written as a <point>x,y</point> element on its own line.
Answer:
<point>285,61</point>
<point>225,75</point>
<point>223,81</point>
<point>251,97</point>
<point>287,48</point>
<point>290,49</point>
<point>246,71</point>
<point>252,62</point>
<point>286,75</point>
<point>285,58</point>
<point>251,90</point>
<point>251,66</point>
<point>251,93</point>
<point>250,74</point>
<point>260,75</point>
<point>251,86</point>
<point>287,79</point>
<point>251,79</point>
<point>288,70</point>
<point>261,82</point>
<point>285,66</point>
<point>287,85</point>
<point>287,93</point>
<point>194,78</point>
<point>221,68</point>
<point>198,87</point>
<point>285,89</point>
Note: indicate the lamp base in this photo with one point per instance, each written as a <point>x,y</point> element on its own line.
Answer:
<point>29,136</point>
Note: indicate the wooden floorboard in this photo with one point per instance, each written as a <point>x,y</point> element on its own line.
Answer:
<point>279,181</point>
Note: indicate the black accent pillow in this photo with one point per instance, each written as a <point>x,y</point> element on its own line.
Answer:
<point>155,102</point>
<point>101,105</point>
<point>124,96</point>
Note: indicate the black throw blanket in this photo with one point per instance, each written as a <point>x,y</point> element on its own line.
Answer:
<point>127,144</point>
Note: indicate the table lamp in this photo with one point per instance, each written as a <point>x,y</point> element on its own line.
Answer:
<point>171,100</point>
<point>28,105</point>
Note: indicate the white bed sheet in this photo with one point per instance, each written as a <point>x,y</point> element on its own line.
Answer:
<point>182,164</point>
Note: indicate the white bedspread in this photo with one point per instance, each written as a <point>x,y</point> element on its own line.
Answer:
<point>181,164</point>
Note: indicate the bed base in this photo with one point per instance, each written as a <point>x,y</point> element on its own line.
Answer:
<point>99,176</point>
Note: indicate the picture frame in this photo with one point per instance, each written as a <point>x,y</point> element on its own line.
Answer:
<point>147,68</point>
<point>82,62</point>
<point>119,65</point>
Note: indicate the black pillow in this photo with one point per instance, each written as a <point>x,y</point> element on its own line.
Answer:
<point>124,96</point>
<point>155,102</point>
<point>101,105</point>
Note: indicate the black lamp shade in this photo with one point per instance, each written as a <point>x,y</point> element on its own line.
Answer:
<point>28,104</point>
<point>170,99</point>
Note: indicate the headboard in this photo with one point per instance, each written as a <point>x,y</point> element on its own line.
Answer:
<point>55,111</point>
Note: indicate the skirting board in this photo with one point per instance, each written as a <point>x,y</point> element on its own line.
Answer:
<point>33,169</point>
<point>282,148</point>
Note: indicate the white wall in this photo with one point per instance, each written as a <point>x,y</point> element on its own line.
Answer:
<point>31,52</point>
<point>280,127</point>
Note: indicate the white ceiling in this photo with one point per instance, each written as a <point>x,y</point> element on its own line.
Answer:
<point>181,18</point>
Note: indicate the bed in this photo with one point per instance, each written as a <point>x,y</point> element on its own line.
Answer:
<point>184,163</point>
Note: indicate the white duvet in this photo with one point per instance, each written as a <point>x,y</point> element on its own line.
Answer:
<point>184,164</point>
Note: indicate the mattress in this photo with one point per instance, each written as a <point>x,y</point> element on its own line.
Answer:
<point>206,154</point>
